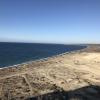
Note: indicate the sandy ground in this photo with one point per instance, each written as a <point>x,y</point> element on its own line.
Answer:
<point>72,76</point>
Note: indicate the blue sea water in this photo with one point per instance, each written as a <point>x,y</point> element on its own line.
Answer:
<point>16,53</point>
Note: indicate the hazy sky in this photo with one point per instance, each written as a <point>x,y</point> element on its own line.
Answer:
<point>50,21</point>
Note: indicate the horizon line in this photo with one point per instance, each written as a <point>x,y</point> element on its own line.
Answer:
<point>46,43</point>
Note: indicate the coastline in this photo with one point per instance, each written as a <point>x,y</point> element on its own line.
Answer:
<point>42,59</point>
<point>77,72</point>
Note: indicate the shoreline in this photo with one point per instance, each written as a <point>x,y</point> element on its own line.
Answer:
<point>68,72</point>
<point>42,59</point>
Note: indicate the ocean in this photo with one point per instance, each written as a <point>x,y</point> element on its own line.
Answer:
<point>16,53</point>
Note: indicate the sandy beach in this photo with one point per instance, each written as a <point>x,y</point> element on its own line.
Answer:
<point>64,77</point>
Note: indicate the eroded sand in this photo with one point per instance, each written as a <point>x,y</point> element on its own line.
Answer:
<point>69,73</point>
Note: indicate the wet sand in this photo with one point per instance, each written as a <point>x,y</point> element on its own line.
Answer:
<point>63,77</point>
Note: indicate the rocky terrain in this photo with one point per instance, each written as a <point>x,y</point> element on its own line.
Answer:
<point>71,76</point>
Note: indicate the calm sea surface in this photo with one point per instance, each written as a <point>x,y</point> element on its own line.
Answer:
<point>15,53</point>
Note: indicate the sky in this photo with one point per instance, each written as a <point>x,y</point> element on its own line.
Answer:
<point>50,21</point>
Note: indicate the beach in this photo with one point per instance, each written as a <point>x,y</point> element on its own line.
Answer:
<point>64,77</point>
